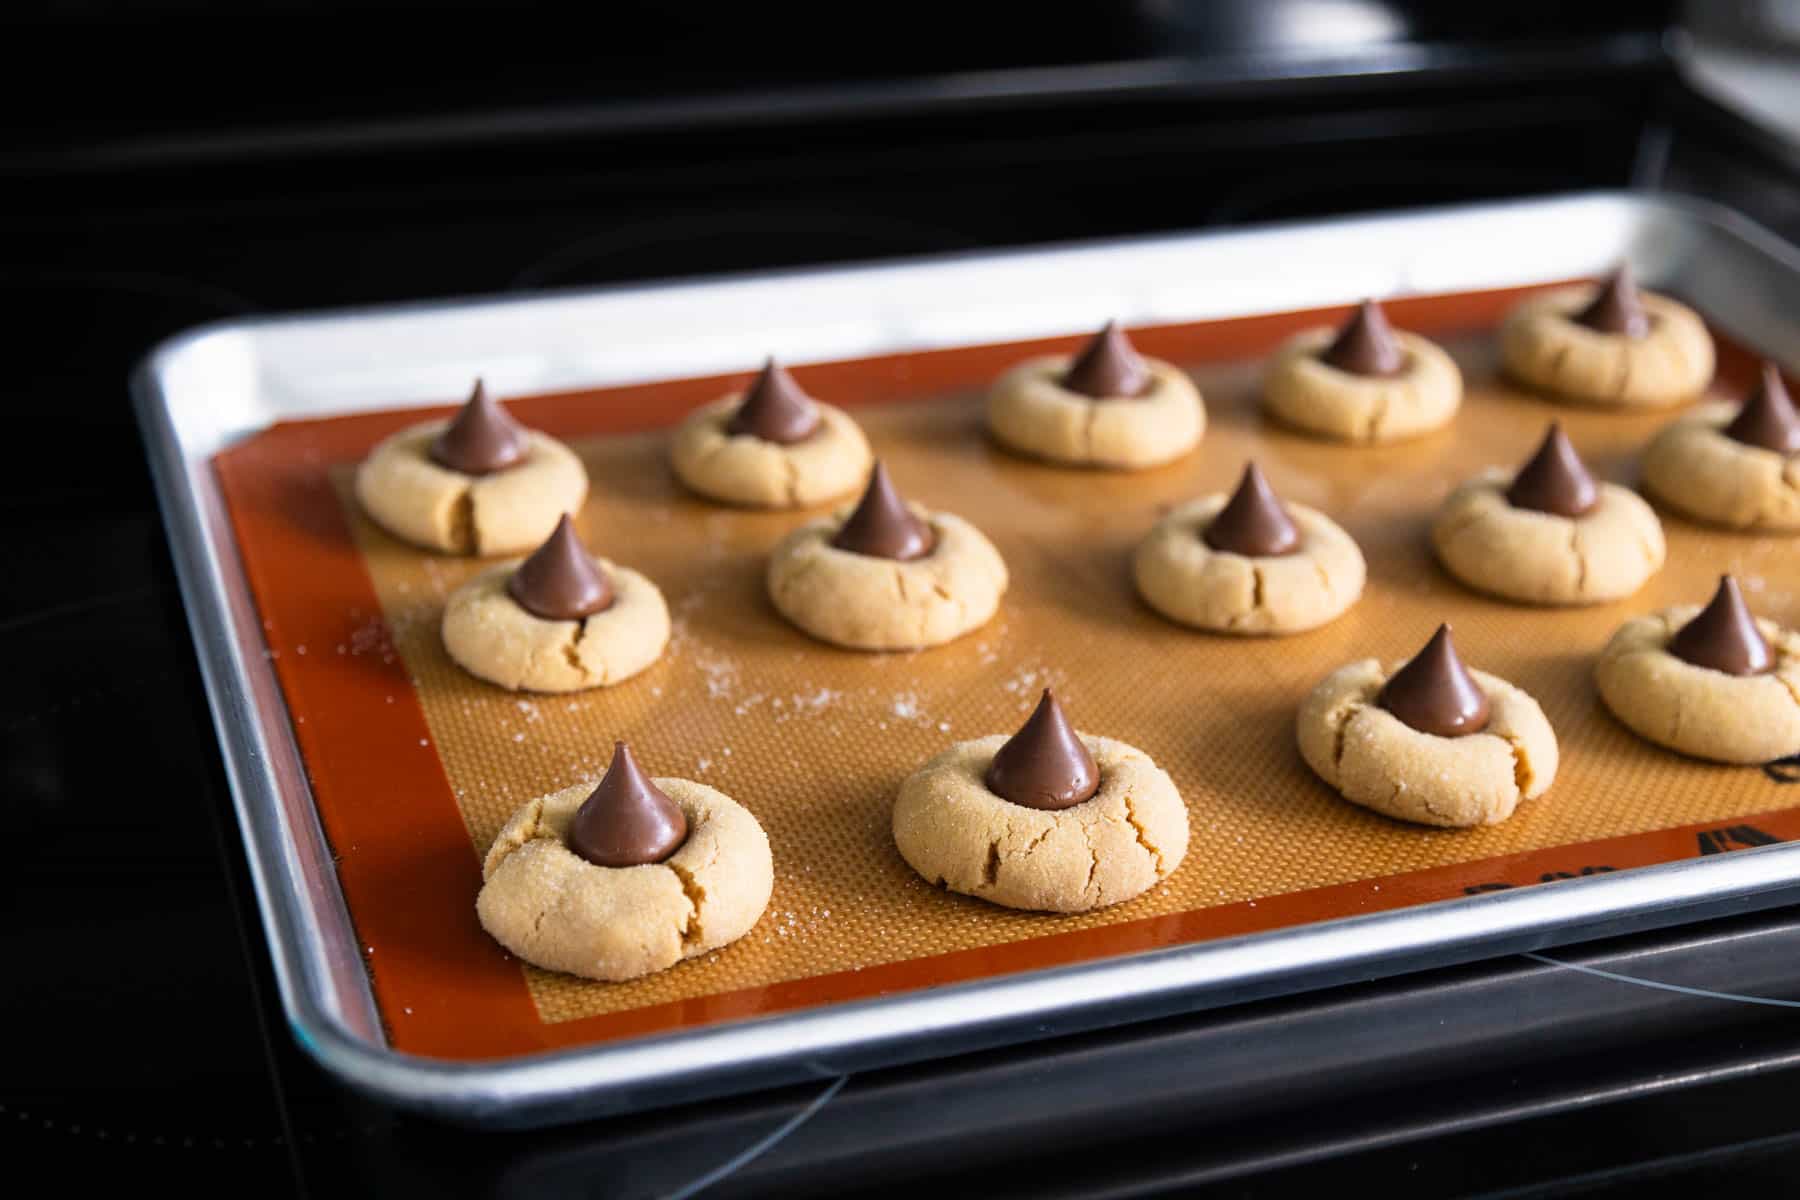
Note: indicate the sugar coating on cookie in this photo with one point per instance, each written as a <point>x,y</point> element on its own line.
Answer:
<point>554,909</point>
<point>1047,408</point>
<point>1698,710</point>
<point>1366,383</point>
<point>1548,534</point>
<point>1696,469</point>
<point>492,636</point>
<point>1183,577</point>
<point>958,834</point>
<point>406,487</point>
<point>777,458</point>
<point>1545,346</point>
<point>1376,760</point>
<point>865,601</point>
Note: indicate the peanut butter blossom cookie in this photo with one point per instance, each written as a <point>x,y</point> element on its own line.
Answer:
<point>1712,682</point>
<point>1364,382</point>
<point>1430,741</point>
<point>773,446</point>
<point>625,878</point>
<point>480,483</point>
<point>1738,467</point>
<point>1248,563</point>
<point>886,575</point>
<point>1549,534</point>
<point>1610,345</point>
<point>558,621</point>
<point>1107,407</point>
<point>1049,819</point>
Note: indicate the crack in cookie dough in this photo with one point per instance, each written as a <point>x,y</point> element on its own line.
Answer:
<point>1605,554</point>
<point>1143,836</point>
<point>1325,583</point>
<point>1340,730</point>
<point>1521,765</point>
<point>792,469</point>
<point>1186,580</point>
<point>1130,834</point>
<point>552,908</point>
<point>1375,760</point>
<point>572,650</point>
<point>1557,358</point>
<point>696,898</point>
<point>464,537</point>
<point>1378,417</point>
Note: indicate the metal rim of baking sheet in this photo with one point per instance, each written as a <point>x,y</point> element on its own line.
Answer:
<point>202,390</point>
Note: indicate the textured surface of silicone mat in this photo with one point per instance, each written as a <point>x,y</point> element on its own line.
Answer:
<point>815,740</point>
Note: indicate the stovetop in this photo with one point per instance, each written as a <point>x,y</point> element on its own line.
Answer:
<point>139,1031</point>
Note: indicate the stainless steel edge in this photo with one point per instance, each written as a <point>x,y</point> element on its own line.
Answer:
<point>1715,255</point>
<point>284,845</point>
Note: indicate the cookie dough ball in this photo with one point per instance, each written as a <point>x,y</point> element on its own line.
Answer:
<point>479,483</point>
<point>1362,383</point>
<point>1048,820</point>
<point>627,878</point>
<point>1711,682</point>
<point>772,447</point>
<point>1107,407</point>
<point>1431,742</point>
<point>1550,534</point>
<point>1737,467</point>
<point>558,621</point>
<point>1612,346</point>
<point>1248,564</point>
<point>886,576</point>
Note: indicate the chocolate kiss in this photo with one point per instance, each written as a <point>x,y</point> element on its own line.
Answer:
<point>1768,418</point>
<point>1723,636</point>
<point>1554,480</point>
<point>627,821</point>
<point>1108,366</point>
<point>775,409</point>
<point>1044,765</point>
<point>481,438</point>
<point>882,526</point>
<point>560,581</point>
<point>1434,693</point>
<point>1366,344</point>
<point>1253,523</point>
<point>1617,308</point>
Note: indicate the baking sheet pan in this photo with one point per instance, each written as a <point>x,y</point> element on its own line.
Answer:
<point>264,373</point>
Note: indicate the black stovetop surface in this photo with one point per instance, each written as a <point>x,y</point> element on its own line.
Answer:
<point>139,1035</point>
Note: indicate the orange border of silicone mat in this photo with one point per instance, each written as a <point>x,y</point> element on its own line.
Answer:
<point>404,859</point>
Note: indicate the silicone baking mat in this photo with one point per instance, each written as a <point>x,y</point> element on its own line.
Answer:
<point>415,765</point>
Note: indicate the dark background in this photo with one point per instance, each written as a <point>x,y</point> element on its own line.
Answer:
<point>168,164</point>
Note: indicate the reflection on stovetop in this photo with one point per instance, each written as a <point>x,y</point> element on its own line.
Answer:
<point>139,1031</point>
